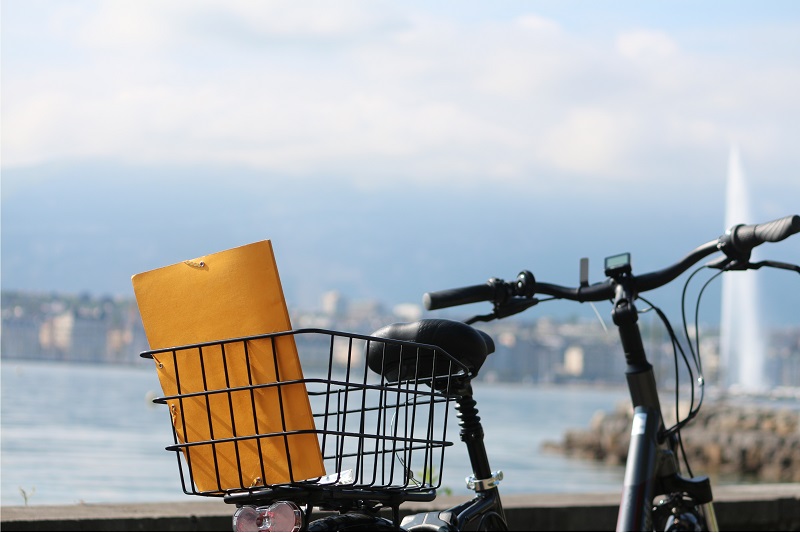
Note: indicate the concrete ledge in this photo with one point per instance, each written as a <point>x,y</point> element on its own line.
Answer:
<point>774,507</point>
<point>203,515</point>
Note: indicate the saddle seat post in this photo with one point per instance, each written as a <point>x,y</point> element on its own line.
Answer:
<point>472,433</point>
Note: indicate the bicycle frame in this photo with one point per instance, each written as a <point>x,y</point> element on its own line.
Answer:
<point>486,509</point>
<point>651,467</point>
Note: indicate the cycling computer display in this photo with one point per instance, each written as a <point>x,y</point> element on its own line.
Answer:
<point>618,264</point>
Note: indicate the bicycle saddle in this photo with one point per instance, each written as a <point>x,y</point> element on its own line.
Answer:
<point>466,344</point>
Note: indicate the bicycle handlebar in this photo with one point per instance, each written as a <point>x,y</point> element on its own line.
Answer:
<point>736,244</point>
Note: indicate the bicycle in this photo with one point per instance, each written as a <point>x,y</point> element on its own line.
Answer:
<point>652,467</point>
<point>381,404</point>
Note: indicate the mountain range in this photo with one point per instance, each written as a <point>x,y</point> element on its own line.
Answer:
<point>87,227</point>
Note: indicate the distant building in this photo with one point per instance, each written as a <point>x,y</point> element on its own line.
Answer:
<point>68,328</point>
<point>334,303</point>
<point>19,338</point>
<point>573,361</point>
<point>65,328</point>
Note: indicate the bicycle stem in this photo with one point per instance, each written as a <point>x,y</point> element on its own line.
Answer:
<point>639,371</point>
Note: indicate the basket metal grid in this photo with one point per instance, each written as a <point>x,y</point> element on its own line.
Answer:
<point>375,434</point>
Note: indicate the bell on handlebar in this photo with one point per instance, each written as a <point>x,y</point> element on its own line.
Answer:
<point>526,284</point>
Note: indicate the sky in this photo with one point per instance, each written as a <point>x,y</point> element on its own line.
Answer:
<point>426,90</point>
<point>624,111</point>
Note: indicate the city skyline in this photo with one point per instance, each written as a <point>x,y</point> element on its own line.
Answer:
<point>82,329</point>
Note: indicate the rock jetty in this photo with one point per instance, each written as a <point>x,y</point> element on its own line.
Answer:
<point>755,443</point>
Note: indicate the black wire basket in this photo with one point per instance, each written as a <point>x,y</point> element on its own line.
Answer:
<point>308,410</point>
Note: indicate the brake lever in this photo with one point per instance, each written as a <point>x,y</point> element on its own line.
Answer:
<point>728,264</point>
<point>775,264</point>
<point>480,318</point>
<point>505,309</point>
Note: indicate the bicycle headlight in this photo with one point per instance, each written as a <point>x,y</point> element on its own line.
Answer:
<point>280,516</point>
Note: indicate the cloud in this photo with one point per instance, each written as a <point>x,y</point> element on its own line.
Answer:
<point>646,45</point>
<point>151,24</point>
<point>382,91</point>
<point>589,141</point>
<point>538,23</point>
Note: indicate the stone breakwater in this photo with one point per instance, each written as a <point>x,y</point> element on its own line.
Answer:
<point>755,443</point>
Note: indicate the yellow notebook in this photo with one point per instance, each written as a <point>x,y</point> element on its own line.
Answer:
<point>230,294</point>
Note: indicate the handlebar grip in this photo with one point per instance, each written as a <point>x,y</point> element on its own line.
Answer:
<point>461,296</point>
<point>746,237</point>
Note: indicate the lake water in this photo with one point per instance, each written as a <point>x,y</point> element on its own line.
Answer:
<point>80,433</point>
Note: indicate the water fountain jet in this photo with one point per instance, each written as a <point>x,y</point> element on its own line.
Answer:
<point>742,346</point>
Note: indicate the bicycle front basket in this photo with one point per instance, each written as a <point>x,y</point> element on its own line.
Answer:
<point>302,409</point>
